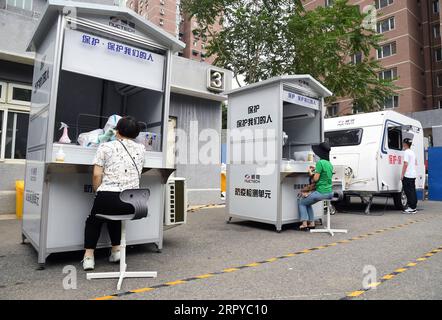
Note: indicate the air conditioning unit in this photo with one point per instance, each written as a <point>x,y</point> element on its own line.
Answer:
<point>176,202</point>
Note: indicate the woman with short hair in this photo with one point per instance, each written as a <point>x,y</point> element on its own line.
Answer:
<point>117,167</point>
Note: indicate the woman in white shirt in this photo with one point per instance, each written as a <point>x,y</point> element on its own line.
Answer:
<point>117,167</point>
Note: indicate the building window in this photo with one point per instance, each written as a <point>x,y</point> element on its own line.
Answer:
<point>329,3</point>
<point>392,102</point>
<point>16,135</point>
<point>356,58</point>
<point>195,53</point>
<point>19,94</point>
<point>387,50</point>
<point>436,31</point>
<point>13,133</point>
<point>389,74</point>
<point>436,7</point>
<point>357,109</point>
<point>385,25</point>
<point>2,129</point>
<point>440,104</point>
<point>332,111</point>
<point>14,117</point>
<point>438,54</point>
<point>22,4</point>
<point>439,80</point>
<point>162,2</point>
<point>162,12</point>
<point>383,3</point>
<point>2,92</point>
<point>161,22</point>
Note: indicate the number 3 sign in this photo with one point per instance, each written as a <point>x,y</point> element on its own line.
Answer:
<point>215,80</point>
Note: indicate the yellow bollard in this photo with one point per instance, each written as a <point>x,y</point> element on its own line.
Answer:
<point>19,191</point>
<point>223,182</point>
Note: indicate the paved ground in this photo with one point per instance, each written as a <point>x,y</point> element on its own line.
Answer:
<point>207,245</point>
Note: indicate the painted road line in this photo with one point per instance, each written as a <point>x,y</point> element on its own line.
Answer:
<point>8,217</point>
<point>208,206</point>
<point>174,283</point>
<point>392,275</point>
<point>249,265</point>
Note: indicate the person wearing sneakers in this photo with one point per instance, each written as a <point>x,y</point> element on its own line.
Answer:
<point>408,177</point>
<point>117,167</point>
<point>320,189</point>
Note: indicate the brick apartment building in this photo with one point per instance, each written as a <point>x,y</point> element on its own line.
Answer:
<point>167,15</point>
<point>411,52</point>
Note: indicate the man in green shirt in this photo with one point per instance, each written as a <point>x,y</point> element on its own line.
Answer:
<point>322,177</point>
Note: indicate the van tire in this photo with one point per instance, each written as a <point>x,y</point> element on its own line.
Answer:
<point>400,200</point>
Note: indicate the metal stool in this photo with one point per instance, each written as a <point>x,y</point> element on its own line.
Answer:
<point>138,199</point>
<point>336,197</point>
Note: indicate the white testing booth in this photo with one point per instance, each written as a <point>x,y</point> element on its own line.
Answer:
<point>273,125</point>
<point>92,61</point>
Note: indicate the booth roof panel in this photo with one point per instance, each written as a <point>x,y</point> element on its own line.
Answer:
<point>54,7</point>
<point>315,84</point>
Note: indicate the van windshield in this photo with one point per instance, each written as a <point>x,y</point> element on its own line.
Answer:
<point>342,138</point>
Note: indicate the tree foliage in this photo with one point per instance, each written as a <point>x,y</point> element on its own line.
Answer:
<point>265,38</point>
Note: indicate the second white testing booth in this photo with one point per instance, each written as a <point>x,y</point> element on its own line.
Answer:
<point>272,126</point>
<point>92,62</point>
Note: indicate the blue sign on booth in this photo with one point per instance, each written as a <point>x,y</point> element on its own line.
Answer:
<point>435,174</point>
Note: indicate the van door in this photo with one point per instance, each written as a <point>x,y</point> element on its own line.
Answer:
<point>390,160</point>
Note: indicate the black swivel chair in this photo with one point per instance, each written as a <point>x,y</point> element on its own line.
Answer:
<point>138,199</point>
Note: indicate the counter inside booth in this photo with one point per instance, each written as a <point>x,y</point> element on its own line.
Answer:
<point>76,154</point>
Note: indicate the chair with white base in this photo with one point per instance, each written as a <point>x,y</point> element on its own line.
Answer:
<point>138,199</point>
<point>336,196</point>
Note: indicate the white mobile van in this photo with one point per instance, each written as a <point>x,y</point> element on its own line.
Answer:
<point>368,149</point>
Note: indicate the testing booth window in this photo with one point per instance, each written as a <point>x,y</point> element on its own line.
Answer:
<point>85,103</point>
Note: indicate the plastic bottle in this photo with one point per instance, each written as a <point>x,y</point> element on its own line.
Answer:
<point>59,157</point>
<point>65,137</point>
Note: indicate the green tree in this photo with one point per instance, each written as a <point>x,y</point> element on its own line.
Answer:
<point>224,116</point>
<point>265,38</point>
